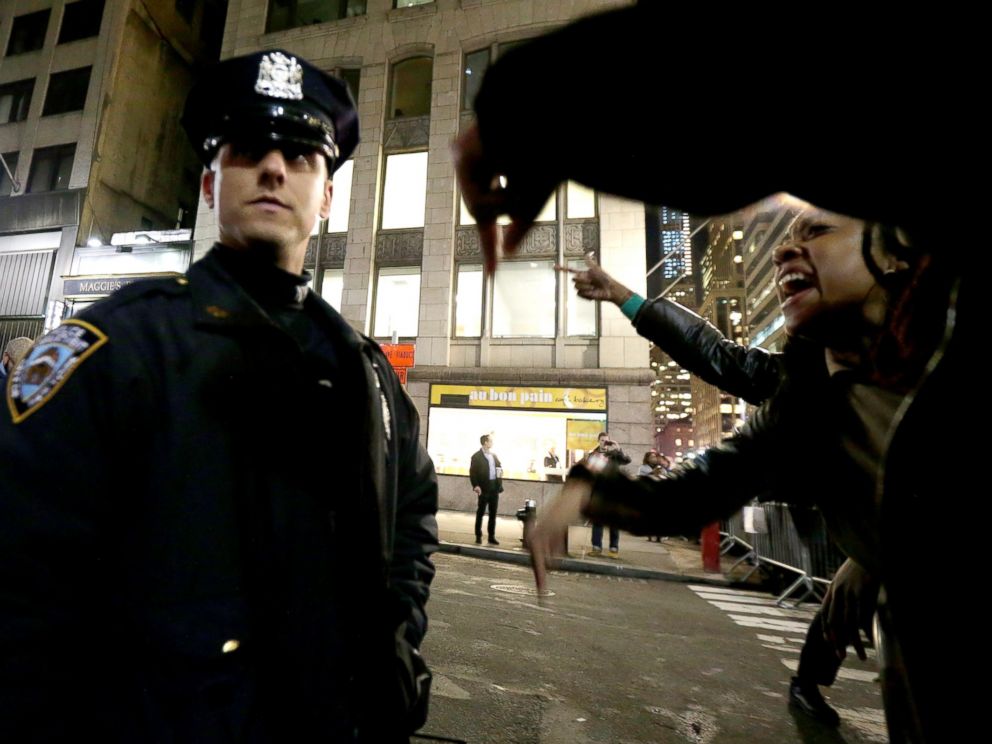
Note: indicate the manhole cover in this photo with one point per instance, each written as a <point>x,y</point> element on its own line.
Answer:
<point>528,591</point>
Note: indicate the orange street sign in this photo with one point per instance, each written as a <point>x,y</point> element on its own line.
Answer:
<point>399,355</point>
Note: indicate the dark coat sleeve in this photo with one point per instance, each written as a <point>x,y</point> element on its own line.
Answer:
<point>712,486</point>
<point>697,345</point>
<point>61,473</point>
<point>478,470</point>
<point>411,569</point>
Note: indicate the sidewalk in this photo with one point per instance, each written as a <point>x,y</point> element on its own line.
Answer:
<point>672,560</point>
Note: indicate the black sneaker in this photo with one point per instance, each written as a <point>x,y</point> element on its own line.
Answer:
<point>478,539</point>
<point>493,541</point>
<point>807,698</point>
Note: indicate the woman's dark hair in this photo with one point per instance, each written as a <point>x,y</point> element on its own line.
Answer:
<point>918,305</point>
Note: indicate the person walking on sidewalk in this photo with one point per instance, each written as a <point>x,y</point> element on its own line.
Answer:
<point>486,476</point>
<point>615,457</point>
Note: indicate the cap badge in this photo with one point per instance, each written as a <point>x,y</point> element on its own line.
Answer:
<point>280,76</point>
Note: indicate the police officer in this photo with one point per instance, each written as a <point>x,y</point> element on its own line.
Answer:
<point>186,557</point>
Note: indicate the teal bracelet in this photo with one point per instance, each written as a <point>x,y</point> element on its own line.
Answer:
<point>632,305</point>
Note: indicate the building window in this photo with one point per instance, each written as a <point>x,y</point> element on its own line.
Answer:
<point>405,191</point>
<point>341,199</point>
<point>27,33</point>
<point>332,287</point>
<point>82,19</point>
<point>6,185</point>
<point>15,100</point>
<point>285,14</point>
<point>397,301</point>
<point>468,301</point>
<point>476,65</point>
<point>524,299</point>
<point>50,168</point>
<point>581,201</point>
<point>410,3</point>
<point>410,89</point>
<point>67,91</point>
<point>580,314</point>
<point>352,78</point>
<point>549,212</point>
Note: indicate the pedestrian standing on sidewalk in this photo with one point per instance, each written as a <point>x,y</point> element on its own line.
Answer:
<point>486,476</point>
<point>613,458</point>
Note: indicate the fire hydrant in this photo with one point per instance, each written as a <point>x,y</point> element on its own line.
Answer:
<point>527,515</point>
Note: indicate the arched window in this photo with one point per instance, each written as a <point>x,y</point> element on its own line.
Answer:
<point>410,88</point>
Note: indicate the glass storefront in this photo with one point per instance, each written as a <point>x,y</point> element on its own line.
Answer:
<point>524,422</point>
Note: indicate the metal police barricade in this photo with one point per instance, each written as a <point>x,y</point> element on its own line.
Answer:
<point>794,538</point>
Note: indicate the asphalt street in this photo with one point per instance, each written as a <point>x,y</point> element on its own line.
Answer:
<point>632,661</point>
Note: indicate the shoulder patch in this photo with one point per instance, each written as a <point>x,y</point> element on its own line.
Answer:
<point>49,363</point>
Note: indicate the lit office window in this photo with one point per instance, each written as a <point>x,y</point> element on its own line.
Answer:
<point>466,219</point>
<point>405,191</point>
<point>548,213</point>
<point>468,301</point>
<point>341,199</point>
<point>332,287</point>
<point>524,299</point>
<point>581,201</point>
<point>397,301</point>
<point>580,314</point>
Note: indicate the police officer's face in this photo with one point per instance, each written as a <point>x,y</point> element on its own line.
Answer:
<point>267,196</point>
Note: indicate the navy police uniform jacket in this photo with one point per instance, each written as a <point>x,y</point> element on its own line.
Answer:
<point>211,528</point>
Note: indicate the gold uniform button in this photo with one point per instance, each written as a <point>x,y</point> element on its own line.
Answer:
<point>182,280</point>
<point>230,646</point>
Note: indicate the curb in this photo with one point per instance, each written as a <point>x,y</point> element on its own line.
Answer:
<point>579,566</point>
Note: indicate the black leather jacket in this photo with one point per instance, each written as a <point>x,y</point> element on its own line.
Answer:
<point>793,442</point>
<point>696,344</point>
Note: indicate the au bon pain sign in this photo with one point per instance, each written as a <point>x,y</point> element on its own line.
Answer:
<point>533,398</point>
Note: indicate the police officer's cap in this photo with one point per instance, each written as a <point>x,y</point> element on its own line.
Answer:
<point>274,96</point>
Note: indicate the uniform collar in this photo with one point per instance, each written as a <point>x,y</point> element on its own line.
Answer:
<point>220,300</point>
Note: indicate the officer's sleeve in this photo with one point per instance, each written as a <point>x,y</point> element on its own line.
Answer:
<point>412,571</point>
<point>71,412</point>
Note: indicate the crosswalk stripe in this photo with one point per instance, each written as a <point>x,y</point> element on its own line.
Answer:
<point>768,623</point>
<point>857,675</point>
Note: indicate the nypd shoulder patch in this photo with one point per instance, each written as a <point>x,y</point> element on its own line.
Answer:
<point>49,363</point>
